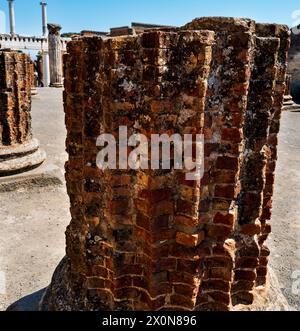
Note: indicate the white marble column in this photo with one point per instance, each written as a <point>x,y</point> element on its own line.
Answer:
<point>46,69</point>
<point>55,55</point>
<point>12,17</point>
<point>44,18</point>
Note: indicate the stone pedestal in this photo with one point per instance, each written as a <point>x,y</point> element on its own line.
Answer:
<point>55,55</point>
<point>149,239</point>
<point>289,103</point>
<point>18,151</point>
<point>34,91</point>
<point>20,158</point>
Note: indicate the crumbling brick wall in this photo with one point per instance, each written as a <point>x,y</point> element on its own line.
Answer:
<point>15,96</point>
<point>150,239</point>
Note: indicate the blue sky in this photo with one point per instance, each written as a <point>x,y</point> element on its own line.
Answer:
<point>100,15</point>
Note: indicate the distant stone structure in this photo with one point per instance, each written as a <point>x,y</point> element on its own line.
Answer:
<point>294,66</point>
<point>136,28</point>
<point>55,55</point>
<point>18,150</point>
<point>17,42</point>
<point>151,239</point>
<point>88,33</point>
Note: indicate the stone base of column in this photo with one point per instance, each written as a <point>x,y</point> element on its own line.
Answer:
<point>289,103</point>
<point>60,296</point>
<point>20,158</point>
<point>34,91</point>
<point>57,85</point>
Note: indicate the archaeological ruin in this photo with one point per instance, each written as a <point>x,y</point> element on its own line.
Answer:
<point>18,150</point>
<point>294,65</point>
<point>55,55</point>
<point>151,239</point>
<point>51,46</point>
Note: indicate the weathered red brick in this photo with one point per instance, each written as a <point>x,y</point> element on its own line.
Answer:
<point>189,240</point>
<point>232,134</point>
<point>151,239</point>
<point>227,219</point>
<point>227,163</point>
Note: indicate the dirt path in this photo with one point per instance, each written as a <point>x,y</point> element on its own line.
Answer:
<point>33,219</point>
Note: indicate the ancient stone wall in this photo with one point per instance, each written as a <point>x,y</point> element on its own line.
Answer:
<point>151,239</point>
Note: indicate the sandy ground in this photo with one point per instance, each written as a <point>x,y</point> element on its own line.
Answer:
<point>285,239</point>
<point>33,218</point>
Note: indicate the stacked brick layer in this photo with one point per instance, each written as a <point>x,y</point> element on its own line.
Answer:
<point>151,240</point>
<point>15,96</point>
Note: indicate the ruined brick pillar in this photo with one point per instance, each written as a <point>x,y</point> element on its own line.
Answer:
<point>18,151</point>
<point>283,35</point>
<point>151,239</point>
<point>252,178</point>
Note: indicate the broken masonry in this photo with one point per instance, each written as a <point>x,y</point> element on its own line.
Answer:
<point>150,239</point>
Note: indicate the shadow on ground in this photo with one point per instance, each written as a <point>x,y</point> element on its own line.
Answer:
<point>28,303</point>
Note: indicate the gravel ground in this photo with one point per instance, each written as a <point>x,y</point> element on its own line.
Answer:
<point>33,219</point>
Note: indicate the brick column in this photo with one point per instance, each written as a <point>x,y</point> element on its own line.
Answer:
<point>142,230</point>
<point>151,239</point>
<point>225,115</point>
<point>281,32</point>
<point>18,151</point>
<point>252,178</point>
